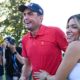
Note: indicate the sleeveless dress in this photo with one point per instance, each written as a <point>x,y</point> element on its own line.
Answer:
<point>75,73</point>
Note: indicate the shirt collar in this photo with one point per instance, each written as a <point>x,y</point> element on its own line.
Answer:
<point>40,32</point>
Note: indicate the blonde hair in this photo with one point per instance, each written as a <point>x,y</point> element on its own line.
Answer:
<point>76,18</point>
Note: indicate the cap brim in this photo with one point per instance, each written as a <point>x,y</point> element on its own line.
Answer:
<point>22,8</point>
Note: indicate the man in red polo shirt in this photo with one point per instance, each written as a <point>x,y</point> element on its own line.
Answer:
<point>42,45</point>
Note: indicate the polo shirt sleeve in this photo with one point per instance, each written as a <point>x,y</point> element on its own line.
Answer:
<point>24,52</point>
<point>61,39</point>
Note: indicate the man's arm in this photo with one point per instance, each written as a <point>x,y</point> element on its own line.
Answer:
<point>61,39</point>
<point>26,70</point>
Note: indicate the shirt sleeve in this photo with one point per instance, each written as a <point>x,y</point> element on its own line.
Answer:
<point>61,39</point>
<point>24,51</point>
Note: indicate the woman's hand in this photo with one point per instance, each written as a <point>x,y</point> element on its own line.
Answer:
<point>22,78</point>
<point>41,75</point>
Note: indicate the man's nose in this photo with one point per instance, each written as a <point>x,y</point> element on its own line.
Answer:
<point>26,17</point>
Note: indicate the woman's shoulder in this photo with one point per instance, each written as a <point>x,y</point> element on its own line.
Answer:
<point>75,44</point>
<point>74,47</point>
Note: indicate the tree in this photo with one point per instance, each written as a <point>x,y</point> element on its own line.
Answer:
<point>11,23</point>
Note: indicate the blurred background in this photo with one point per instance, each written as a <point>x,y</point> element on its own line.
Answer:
<point>56,13</point>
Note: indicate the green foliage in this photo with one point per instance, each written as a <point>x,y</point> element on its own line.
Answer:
<point>11,19</point>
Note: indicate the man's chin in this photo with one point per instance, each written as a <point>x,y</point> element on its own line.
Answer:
<point>29,28</point>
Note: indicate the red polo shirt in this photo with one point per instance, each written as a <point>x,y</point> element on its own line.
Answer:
<point>44,50</point>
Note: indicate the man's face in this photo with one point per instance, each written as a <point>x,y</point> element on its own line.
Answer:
<point>31,19</point>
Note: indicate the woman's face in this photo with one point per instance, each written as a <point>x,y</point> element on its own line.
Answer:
<point>72,31</point>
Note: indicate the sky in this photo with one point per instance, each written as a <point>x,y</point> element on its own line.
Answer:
<point>56,12</point>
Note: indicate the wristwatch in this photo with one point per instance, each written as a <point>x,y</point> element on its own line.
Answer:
<point>15,53</point>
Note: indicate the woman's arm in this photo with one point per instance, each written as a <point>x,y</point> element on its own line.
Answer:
<point>69,61</point>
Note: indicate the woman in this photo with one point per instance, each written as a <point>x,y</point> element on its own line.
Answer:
<point>69,68</point>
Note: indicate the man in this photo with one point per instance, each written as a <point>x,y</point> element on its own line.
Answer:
<point>42,45</point>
